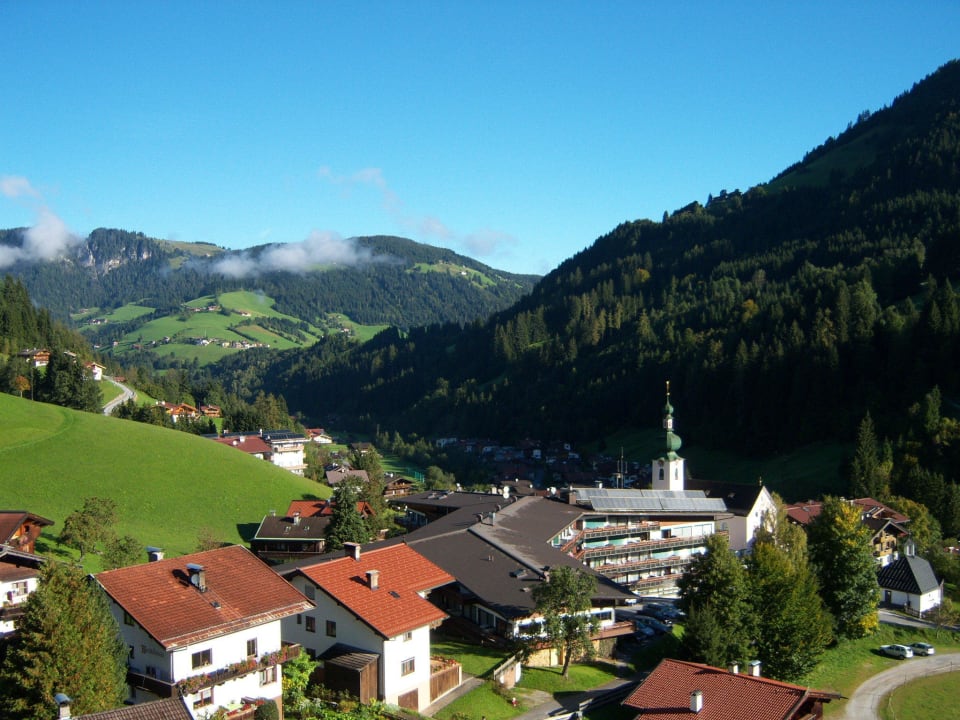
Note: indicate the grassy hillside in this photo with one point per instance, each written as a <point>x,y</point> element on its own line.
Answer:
<point>167,484</point>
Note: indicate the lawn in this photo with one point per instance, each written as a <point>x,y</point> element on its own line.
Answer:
<point>929,698</point>
<point>476,659</point>
<point>851,662</point>
<point>535,685</point>
<point>168,485</point>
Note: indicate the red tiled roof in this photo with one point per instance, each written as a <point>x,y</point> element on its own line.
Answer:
<point>168,709</point>
<point>394,607</point>
<point>241,592</point>
<point>251,444</point>
<point>804,513</point>
<point>665,694</point>
<point>322,508</point>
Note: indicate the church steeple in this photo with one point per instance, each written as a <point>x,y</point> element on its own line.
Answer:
<point>667,470</point>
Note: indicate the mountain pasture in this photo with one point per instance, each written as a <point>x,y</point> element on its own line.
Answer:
<point>168,485</point>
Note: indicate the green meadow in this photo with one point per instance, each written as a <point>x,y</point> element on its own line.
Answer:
<point>168,485</point>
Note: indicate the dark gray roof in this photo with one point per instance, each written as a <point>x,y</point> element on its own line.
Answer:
<point>451,499</point>
<point>908,574</point>
<point>349,657</point>
<point>284,528</point>
<point>169,709</point>
<point>501,559</point>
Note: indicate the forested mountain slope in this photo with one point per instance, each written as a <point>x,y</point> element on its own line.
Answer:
<point>387,281</point>
<point>781,314</point>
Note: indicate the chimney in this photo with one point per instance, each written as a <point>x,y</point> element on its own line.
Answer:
<point>373,579</point>
<point>198,577</point>
<point>572,497</point>
<point>352,550</point>
<point>63,706</point>
<point>154,553</point>
<point>755,668</point>
<point>296,518</point>
<point>696,701</point>
<point>734,668</point>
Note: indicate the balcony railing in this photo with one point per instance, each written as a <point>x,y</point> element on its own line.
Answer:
<point>195,683</point>
<point>140,680</point>
<point>611,569</point>
<point>646,546</point>
<point>613,530</point>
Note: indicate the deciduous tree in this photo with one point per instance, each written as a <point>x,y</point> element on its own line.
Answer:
<point>715,587</point>
<point>843,559</point>
<point>792,626</point>
<point>564,601</point>
<point>92,524</point>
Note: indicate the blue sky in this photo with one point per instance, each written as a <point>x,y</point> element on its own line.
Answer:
<point>512,132</point>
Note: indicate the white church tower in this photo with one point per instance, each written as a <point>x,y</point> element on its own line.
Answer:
<point>667,470</point>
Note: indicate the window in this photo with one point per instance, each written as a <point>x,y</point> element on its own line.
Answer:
<point>407,666</point>
<point>204,697</point>
<point>311,624</point>
<point>407,636</point>
<point>20,588</point>
<point>309,591</point>
<point>131,652</point>
<point>268,675</point>
<point>127,618</point>
<point>331,628</point>
<point>251,647</point>
<point>299,619</point>
<point>202,658</point>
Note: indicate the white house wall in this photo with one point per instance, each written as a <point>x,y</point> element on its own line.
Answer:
<point>14,593</point>
<point>398,650</point>
<point>354,632</point>
<point>175,665</point>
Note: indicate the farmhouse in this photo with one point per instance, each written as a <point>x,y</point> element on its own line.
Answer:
<point>20,529</point>
<point>371,625</point>
<point>196,627</point>
<point>281,447</point>
<point>909,582</point>
<point>678,689</point>
<point>19,572</point>
<point>889,528</point>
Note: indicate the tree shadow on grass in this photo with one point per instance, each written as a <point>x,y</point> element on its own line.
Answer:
<point>247,531</point>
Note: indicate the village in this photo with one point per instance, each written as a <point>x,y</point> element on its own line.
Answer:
<point>469,564</point>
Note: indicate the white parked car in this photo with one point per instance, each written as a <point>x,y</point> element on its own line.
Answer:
<point>897,651</point>
<point>922,648</point>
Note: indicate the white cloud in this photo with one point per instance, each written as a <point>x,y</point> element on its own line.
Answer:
<point>15,186</point>
<point>320,248</point>
<point>483,243</point>
<point>48,239</point>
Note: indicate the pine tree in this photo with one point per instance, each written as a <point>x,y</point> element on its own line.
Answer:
<point>67,642</point>
<point>346,525</point>
<point>843,559</point>
<point>865,479</point>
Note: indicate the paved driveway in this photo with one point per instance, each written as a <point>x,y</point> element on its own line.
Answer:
<point>865,701</point>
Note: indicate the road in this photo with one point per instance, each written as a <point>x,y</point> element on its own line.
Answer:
<point>125,394</point>
<point>865,701</point>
